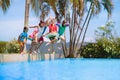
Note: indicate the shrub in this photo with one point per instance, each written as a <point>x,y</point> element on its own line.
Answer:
<point>104,48</point>
<point>12,46</point>
<point>94,50</point>
<point>2,46</point>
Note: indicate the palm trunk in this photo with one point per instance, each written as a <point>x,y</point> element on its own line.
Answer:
<point>90,14</point>
<point>64,44</point>
<point>71,54</point>
<point>26,19</point>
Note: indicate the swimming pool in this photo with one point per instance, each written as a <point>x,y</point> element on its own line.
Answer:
<point>62,69</point>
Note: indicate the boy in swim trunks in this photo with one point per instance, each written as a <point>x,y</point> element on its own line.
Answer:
<point>22,39</point>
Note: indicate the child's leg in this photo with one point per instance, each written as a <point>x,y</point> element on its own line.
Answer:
<point>38,46</point>
<point>22,48</point>
<point>53,38</point>
<point>32,46</point>
<point>20,43</point>
<point>40,41</point>
<point>62,37</point>
<point>36,39</point>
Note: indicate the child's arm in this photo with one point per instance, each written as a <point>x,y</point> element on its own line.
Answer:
<point>25,39</point>
<point>48,21</point>
<point>33,26</point>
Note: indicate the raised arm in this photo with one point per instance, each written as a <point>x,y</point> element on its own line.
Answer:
<point>48,21</point>
<point>33,26</point>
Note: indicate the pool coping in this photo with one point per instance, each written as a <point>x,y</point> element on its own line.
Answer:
<point>15,57</point>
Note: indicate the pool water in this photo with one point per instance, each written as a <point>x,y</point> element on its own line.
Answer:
<point>62,69</point>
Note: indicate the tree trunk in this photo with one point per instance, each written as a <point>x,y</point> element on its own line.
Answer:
<point>89,18</point>
<point>26,18</point>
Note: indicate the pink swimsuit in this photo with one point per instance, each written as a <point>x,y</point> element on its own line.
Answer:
<point>34,34</point>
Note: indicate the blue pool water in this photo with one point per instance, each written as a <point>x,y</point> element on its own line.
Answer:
<point>62,69</point>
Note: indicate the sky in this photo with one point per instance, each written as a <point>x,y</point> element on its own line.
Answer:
<point>12,22</point>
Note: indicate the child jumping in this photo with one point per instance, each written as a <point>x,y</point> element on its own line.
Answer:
<point>36,37</point>
<point>55,34</point>
<point>52,34</point>
<point>22,39</point>
<point>61,30</point>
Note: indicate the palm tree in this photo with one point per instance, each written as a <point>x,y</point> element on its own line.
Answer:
<point>78,11</point>
<point>95,8</point>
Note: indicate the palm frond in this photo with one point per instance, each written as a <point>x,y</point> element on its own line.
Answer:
<point>4,4</point>
<point>108,5</point>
